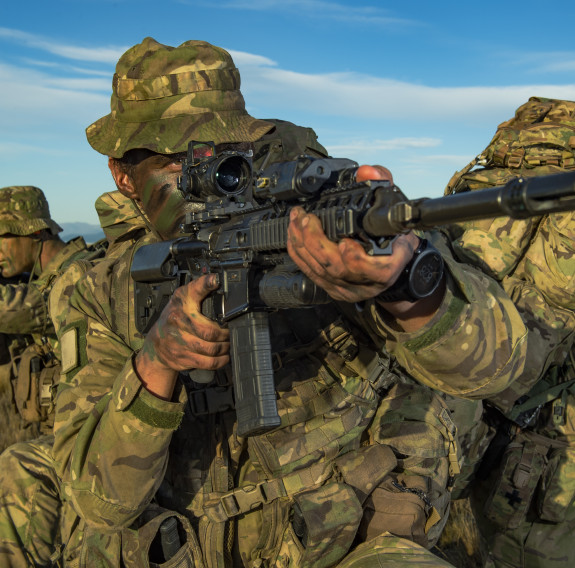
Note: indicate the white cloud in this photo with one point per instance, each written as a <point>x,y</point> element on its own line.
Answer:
<point>241,58</point>
<point>269,89</point>
<point>68,68</point>
<point>99,54</point>
<point>12,148</point>
<point>543,61</point>
<point>455,159</point>
<point>32,98</point>
<point>354,94</point>
<point>567,65</point>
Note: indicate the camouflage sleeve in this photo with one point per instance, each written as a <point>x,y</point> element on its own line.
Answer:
<point>493,245</point>
<point>473,347</point>
<point>23,308</point>
<point>543,289</point>
<point>533,259</point>
<point>111,435</point>
<point>549,261</point>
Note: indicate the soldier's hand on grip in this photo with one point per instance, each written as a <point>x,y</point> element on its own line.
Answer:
<point>182,339</point>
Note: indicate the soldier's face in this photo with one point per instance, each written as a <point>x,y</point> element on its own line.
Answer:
<point>155,181</point>
<point>17,254</point>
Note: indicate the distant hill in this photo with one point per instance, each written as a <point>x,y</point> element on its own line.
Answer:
<point>91,233</point>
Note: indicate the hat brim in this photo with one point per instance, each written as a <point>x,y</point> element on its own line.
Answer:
<point>27,227</point>
<point>114,138</point>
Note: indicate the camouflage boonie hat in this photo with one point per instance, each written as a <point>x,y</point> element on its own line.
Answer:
<point>24,210</point>
<point>163,97</point>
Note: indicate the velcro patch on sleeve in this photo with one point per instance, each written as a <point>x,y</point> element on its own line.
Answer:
<point>69,347</point>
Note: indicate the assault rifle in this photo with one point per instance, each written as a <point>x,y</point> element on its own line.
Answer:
<point>241,235</point>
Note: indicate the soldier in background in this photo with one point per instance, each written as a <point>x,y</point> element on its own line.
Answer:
<point>520,467</point>
<point>29,491</point>
<point>359,469</point>
<point>30,245</point>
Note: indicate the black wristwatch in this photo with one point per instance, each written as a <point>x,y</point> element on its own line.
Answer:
<point>419,279</point>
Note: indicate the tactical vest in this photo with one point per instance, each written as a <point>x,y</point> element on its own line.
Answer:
<point>361,450</point>
<point>34,386</point>
<point>347,462</point>
<point>36,366</point>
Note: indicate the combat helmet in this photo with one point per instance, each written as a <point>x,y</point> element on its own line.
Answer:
<point>163,97</point>
<point>24,211</point>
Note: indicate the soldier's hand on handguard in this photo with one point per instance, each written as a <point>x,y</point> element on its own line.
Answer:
<point>347,273</point>
<point>182,339</point>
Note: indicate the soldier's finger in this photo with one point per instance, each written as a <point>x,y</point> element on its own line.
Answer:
<point>311,247</point>
<point>365,173</point>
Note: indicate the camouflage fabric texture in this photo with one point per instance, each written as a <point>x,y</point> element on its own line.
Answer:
<point>534,262</point>
<point>526,508</point>
<point>120,219</point>
<point>29,488</point>
<point>24,309</point>
<point>299,495</point>
<point>391,552</point>
<point>353,456</point>
<point>163,97</point>
<point>533,258</point>
<point>299,467</point>
<point>24,306</point>
<point>29,505</point>
<point>24,210</point>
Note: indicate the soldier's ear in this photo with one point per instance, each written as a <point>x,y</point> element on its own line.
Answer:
<point>123,179</point>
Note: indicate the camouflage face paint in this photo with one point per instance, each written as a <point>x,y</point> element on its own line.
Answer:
<point>17,255</point>
<point>156,182</point>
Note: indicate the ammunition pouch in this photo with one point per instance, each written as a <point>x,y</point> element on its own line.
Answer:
<point>35,385</point>
<point>320,536</point>
<point>533,473</point>
<point>403,506</point>
<point>323,534</point>
<point>414,500</point>
<point>524,464</point>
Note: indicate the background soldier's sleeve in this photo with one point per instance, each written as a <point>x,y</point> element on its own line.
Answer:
<point>23,309</point>
<point>473,347</point>
<point>542,287</point>
<point>534,262</point>
<point>111,435</point>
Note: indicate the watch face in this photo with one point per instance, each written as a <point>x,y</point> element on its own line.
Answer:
<point>426,273</point>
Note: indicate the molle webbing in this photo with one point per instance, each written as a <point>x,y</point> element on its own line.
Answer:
<point>539,139</point>
<point>361,469</point>
<point>221,507</point>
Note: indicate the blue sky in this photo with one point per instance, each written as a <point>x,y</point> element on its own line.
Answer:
<point>415,85</point>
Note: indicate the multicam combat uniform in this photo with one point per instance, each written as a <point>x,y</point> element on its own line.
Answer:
<point>29,488</point>
<point>524,494</point>
<point>24,211</point>
<point>357,432</point>
<point>29,495</point>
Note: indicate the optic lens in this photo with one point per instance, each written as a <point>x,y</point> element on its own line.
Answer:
<point>231,174</point>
